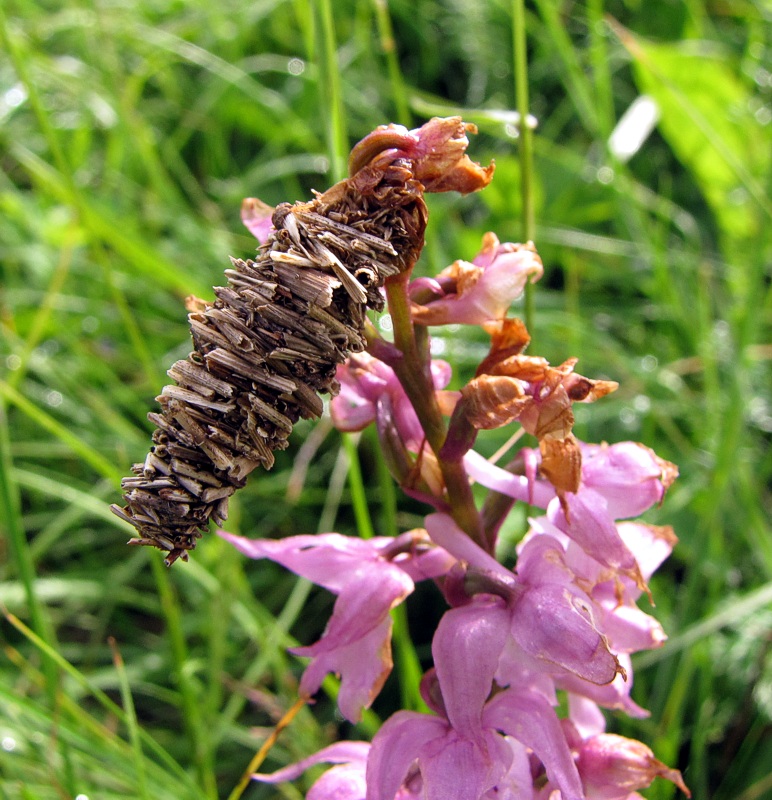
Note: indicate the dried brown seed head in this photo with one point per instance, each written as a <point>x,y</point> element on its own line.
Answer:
<point>270,343</point>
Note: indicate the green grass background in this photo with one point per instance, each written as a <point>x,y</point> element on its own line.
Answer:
<point>129,133</point>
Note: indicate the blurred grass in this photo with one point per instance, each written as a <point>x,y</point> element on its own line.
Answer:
<point>129,134</point>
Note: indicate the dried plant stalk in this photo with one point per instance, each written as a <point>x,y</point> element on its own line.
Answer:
<point>273,338</point>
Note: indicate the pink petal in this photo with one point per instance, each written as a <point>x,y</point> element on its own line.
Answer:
<point>424,559</point>
<point>363,379</point>
<point>257,216</point>
<point>443,531</point>
<point>363,666</point>
<point>485,289</point>
<point>537,493</point>
<point>345,782</point>
<point>630,629</point>
<point>370,390</point>
<point>530,719</point>
<point>328,559</point>
<point>631,477</point>
<point>517,783</point>
<point>466,650</point>
<point>457,768</point>
<point>370,591</point>
<point>350,410</point>
<point>553,624</point>
<point>419,285</point>
<point>585,716</point>
<point>442,372</point>
<point>650,544</point>
<point>518,669</point>
<point>541,559</point>
<point>614,695</point>
<point>590,525</point>
<point>338,753</point>
<point>395,747</point>
<point>357,642</point>
<point>542,526</point>
<point>552,619</point>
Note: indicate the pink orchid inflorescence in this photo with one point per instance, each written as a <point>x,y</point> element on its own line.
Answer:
<point>525,658</point>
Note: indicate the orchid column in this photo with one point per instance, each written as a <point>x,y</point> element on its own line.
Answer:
<point>516,645</point>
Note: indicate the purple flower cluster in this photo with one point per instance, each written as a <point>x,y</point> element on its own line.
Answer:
<point>525,659</point>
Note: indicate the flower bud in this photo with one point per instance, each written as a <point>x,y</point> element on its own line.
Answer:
<point>612,767</point>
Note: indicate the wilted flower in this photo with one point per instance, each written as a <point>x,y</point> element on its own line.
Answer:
<point>478,292</point>
<point>437,150</point>
<point>511,386</point>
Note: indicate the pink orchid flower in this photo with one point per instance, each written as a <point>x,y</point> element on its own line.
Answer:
<point>465,753</point>
<point>556,623</point>
<point>551,624</point>
<point>478,292</point>
<point>614,594</point>
<point>632,478</point>
<point>365,382</point>
<point>629,477</point>
<point>371,392</point>
<point>370,577</point>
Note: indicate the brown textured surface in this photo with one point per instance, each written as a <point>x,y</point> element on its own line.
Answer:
<point>273,338</point>
<point>268,346</point>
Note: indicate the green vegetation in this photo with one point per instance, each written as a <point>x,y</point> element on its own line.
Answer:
<point>129,133</point>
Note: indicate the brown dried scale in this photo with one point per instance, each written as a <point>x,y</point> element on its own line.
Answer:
<point>272,340</point>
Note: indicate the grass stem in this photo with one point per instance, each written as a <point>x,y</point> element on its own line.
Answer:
<point>525,144</point>
<point>332,111</point>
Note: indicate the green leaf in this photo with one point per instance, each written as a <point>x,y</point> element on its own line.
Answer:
<point>707,119</point>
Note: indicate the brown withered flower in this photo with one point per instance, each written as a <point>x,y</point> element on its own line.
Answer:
<point>270,343</point>
<point>511,386</point>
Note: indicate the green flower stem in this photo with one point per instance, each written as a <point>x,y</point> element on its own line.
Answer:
<point>414,373</point>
